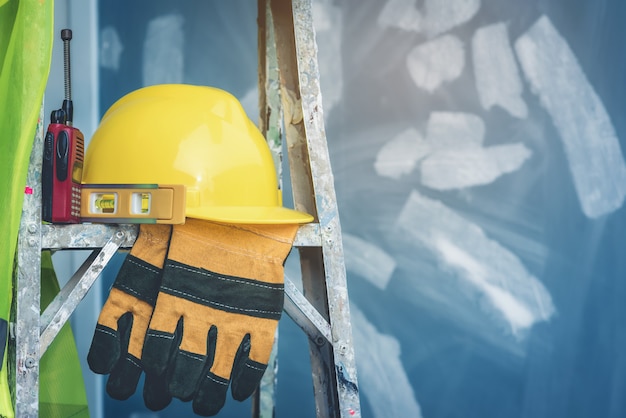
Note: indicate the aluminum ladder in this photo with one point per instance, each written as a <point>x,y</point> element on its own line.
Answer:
<point>288,86</point>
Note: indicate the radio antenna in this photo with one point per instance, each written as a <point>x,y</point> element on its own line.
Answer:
<point>68,107</point>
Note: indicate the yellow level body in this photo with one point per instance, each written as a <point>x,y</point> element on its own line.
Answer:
<point>133,203</point>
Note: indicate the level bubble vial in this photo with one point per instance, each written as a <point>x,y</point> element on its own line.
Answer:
<point>103,203</point>
<point>140,203</point>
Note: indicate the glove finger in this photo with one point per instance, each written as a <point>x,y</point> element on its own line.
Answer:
<point>158,349</point>
<point>185,374</point>
<point>211,395</point>
<point>248,379</point>
<point>124,377</point>
<point>188,368</point>
<point>155,393</point>
<point>109,345</point>
<point>247,374</point>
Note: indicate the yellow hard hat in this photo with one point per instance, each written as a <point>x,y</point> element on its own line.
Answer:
<point>196,136</point>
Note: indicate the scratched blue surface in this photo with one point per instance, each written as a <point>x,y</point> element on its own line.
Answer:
<point>573,364</point>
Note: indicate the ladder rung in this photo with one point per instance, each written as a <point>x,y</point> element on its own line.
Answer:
<point>92,236</point>
<point>84,236</point>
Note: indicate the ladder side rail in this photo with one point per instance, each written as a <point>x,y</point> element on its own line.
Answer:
<point>326,202</point>
<point>27,292</point>
<point>321,356</point>
<point>324,276</point>
<point>296,306</point>
<point>294,134</point>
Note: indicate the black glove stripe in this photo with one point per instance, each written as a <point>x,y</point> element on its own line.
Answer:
<point>139,278</point>
<point>227,293</point>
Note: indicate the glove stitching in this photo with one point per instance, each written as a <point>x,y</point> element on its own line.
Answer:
<point>144,267</point>
<point>255,368</point>
<point>221,305</point>
<point>106,331</point>
<point>263,233</point>
<point>249,229</point>
<point>167,337</point>
<point>191,355</point>
<point>129,290</point>
<point>216,381</point>
<point>133,362</point>
<point>226,279</point>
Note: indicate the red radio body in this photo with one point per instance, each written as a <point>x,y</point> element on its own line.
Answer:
<point>64,149</point>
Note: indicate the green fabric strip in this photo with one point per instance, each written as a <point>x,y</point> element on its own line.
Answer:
<point>61,387</point>
<point>25,52</point>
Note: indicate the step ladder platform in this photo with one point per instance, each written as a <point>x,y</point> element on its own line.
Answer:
<point>93,236</point>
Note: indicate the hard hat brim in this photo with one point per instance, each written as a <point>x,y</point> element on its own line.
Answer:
<point>250,215</point>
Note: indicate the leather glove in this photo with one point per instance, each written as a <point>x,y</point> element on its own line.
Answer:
<point>116,348</point>
<point>217,310</point>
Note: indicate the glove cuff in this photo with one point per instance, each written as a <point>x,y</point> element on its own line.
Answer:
<point>249,251</point>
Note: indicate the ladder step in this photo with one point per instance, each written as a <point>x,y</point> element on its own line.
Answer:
<point>92,236</point>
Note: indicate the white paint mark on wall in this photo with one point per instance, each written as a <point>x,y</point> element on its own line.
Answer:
<point>436,62</point>
<point>399,156</point>
<point>441,16</point>
<point>110,49</point>
<point>382,376</point>
<point>447,130</point>
<point>468,166</point>
<point>498,80</point>
<point>476,272</point>
<point>401,14</point>
<point>458,158</point>
<point>163,59</point>
<point>368,260</point>
<point>514,296</point>
<point>436,17</point>
<point>589,139</point>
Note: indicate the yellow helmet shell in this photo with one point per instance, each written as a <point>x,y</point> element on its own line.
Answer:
<point>197,136</point>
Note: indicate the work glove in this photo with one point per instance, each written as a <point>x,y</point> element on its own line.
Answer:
<point>116,348</point>
<point>217,310</point>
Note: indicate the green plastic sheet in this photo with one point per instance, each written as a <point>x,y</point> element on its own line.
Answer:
<point>61,387</point>
<point>26,36</point>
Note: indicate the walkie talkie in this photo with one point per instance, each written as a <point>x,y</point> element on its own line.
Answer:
<point>63,155</point>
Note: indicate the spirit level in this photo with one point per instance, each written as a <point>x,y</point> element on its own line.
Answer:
<point>133,203</point>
